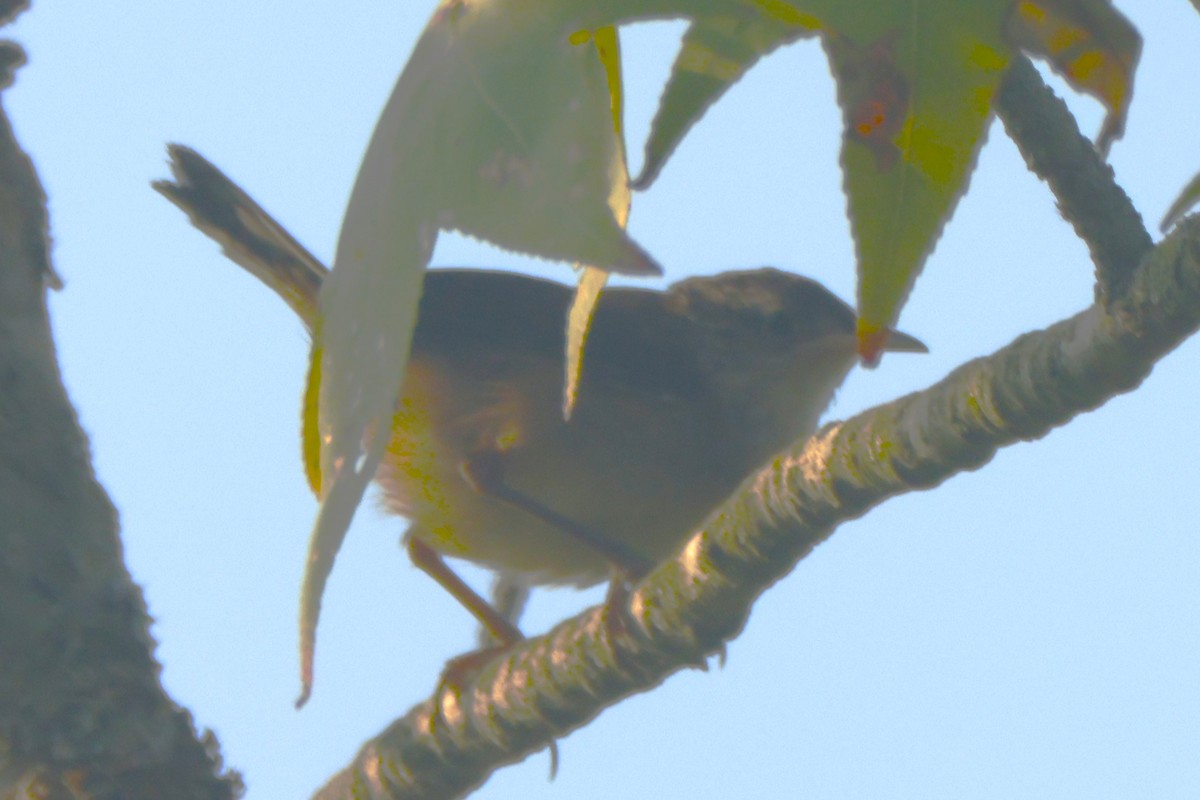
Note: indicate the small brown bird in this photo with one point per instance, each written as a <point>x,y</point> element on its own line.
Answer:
<point>684,392</point>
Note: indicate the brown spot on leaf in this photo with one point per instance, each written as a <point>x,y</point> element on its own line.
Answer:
<point>874,95</point>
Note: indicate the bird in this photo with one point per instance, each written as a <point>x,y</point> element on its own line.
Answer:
<point>684,392</point>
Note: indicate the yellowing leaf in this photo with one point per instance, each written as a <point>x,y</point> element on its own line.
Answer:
<point>502,126</point>
<point>916,86</point>
<point>592,279</point>
<point>1090,45</point>
<point>579,319</point>
<point>915,93</point>
<point>310,437</point>
<point>916,81</point>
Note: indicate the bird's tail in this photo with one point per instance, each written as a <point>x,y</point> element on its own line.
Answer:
<point>249,235</point>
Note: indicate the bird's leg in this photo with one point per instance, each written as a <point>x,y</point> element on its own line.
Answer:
<point>496,624</point>
<point>485,474</point>
<point>508,598</point>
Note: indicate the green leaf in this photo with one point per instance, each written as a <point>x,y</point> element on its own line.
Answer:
<point>916,80</point>
<point>716,52</point>
<point>1187,200</point>
<point>916,93</point>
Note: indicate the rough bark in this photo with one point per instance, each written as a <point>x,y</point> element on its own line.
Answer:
<point>82,711</point>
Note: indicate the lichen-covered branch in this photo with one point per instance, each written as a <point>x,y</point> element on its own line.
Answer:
<point>1088,195</point>
<point>692,605</point>
<point>82,712</point>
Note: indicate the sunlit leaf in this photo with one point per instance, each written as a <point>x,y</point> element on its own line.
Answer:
<point>593,279</point>
<point>579,320</point>
<point>500,126</point>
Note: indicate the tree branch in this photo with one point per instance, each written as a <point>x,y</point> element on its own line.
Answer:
<point>1083,183</point>
<point>692,605</point>
<point>82,712</point>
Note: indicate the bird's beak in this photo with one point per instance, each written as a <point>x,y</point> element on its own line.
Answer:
<point>898,342</point>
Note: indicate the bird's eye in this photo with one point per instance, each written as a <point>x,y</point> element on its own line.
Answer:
<point>781,325</point>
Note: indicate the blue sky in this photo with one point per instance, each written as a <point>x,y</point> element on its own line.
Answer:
<point>1026,630</point>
